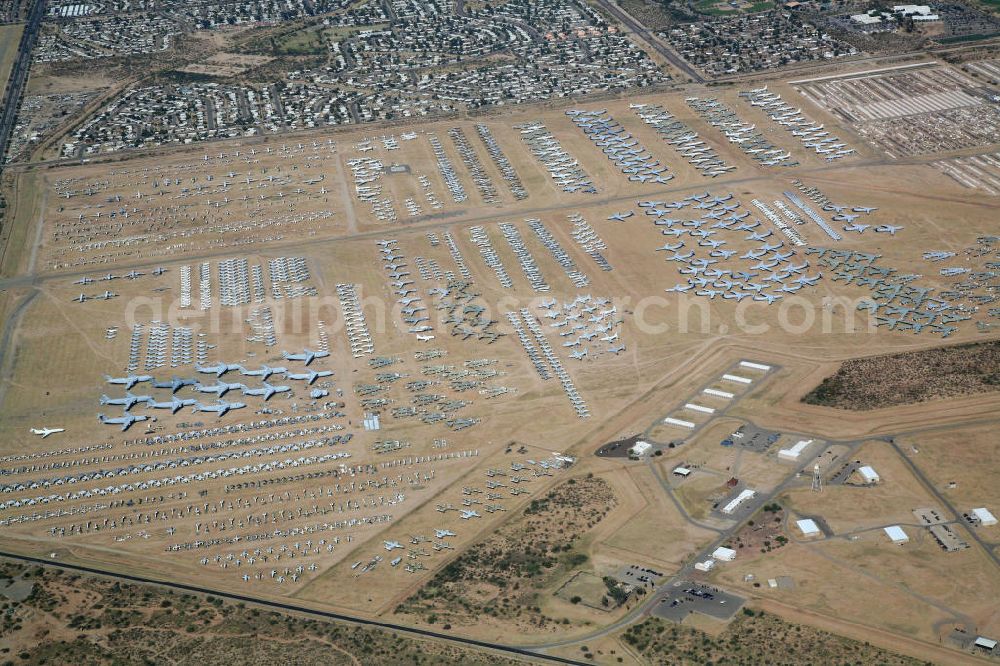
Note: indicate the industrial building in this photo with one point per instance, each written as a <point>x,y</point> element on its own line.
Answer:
<point>896,534</point>
<point>724,554</point>
<point>983,517</point>
<point>735,503</point>
<point>792,453</point>
<point>639,449</point>
<point>869,475</point>
<point>808,527</point>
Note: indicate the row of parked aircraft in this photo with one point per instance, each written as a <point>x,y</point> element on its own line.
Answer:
<point>774,274</point>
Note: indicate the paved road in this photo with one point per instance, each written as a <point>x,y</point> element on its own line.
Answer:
<point>19,76</point>
<point>686,571</point>
<point>650,38</point>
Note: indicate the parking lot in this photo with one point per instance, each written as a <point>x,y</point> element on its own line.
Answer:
<point>686,597</point>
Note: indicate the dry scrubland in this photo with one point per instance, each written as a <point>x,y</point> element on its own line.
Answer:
<point>903,379</point>
<point>84,620</point>
<point>754,638</point>
<point>501,579</point>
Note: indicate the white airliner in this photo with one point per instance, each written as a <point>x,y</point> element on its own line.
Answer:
<point>45,432</point>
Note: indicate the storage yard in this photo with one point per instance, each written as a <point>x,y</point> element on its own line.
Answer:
<point>259,348</point>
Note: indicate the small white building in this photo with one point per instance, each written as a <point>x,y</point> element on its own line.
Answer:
<point>866,19</point>
<point>909,10</point>
<point>640,449</point>
<point>985,643</point>
<point>724,554</point>
<point>681,471</point>
<point>916,12</point>
<point>896,534</point>
<point>869,475</point>
<point>808,527</point>
<point>738,500</point>
<point>705,566</point>
<point>983,516</point>
<point>793,452</point>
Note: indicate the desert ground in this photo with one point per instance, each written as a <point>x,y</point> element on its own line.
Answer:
<point>479,495</point>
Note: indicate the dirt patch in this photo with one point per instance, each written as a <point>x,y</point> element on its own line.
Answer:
<point>524,557</point>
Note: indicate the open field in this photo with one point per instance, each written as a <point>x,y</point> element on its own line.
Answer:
<point>503,322</point>
<point>10,37</point>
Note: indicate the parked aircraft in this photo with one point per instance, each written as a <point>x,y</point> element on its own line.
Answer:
<point>173,405</point>
<point>125,421</point>
<point>129,381</point>
<point>309,377</point>
<point>264,372</point>
<point>45,432</point>
<point>266,390</point>
<point>221,408</point>
<point>128,402</point>
<point>307,356</point>
<point>174,384</point>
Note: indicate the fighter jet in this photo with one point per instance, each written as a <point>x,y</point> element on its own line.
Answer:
<point>84,280</point>
<point>307,356</point>
<point>308,377</point>
<point>125,421</point>
<point>45,432</point>
<point>266,390</point>
<point>173,405</point>
<point>579,354</point>
<point>128,402</point>
<point>440,534</point>
<point>221,408</point>
<point>468,513</point>
<point>127,382</point>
